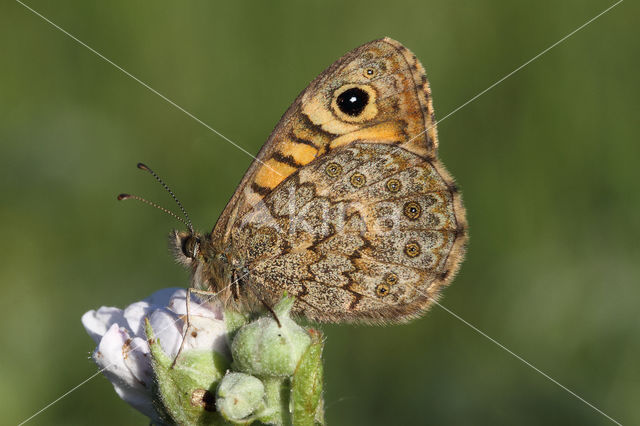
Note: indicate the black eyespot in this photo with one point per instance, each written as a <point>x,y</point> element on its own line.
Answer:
<point>353,101</point>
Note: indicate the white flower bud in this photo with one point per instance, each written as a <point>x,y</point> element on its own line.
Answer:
<point>123,351</point>
<point>277,364</point>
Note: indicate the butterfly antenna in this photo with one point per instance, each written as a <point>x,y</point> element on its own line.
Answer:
<point>144,167</point>
<point>152,204</point>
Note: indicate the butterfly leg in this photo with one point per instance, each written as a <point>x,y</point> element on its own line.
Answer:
<point>266,305</point>
<point>270,309</point>
<point>188,327</point>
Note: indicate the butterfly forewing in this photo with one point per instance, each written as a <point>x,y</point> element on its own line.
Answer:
<point>347,206</point>
<point>399,111</point>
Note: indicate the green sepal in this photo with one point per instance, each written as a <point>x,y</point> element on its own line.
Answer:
<point>306,385</point>
<point>277,377</point>
<point>233,320</point>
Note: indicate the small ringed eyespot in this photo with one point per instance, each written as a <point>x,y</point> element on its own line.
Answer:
<point>369,72</point>
<point>333,169</point>
<point>391,278</point>
<point>412,249</point>
<point>412,210</point>
<point>382,290</point>
<point>357,180</point>
<point>393,185</point>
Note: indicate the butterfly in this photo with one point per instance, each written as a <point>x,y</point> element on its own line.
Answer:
<point>346,207</point>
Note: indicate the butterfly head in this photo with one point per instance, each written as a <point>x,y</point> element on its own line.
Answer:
<point>198,253</point>
<point>186,246</point>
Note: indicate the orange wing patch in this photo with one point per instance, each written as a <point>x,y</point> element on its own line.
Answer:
<point>376,93</point>
<point>301,153</point>
<point>287,159</point>
<point>270,175</point>
<point>388,132</point>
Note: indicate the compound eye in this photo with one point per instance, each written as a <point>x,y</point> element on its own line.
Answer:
<point>190,246</point>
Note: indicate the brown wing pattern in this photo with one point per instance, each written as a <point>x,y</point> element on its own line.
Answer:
<point>367,232</point>
<point>399,108</point>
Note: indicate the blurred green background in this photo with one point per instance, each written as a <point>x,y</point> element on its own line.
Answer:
<point>547,160</point>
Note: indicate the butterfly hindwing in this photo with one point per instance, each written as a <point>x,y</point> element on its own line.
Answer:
<point>367,232</point>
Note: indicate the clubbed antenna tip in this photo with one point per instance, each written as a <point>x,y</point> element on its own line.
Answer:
<point>144,167</point>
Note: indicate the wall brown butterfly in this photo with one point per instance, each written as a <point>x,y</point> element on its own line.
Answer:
<point>346,206</point>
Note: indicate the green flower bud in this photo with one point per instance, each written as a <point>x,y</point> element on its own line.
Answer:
<point>267,347</point>
<point>185,392</point>
<point>239,396</point>
<point>277,365</point>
